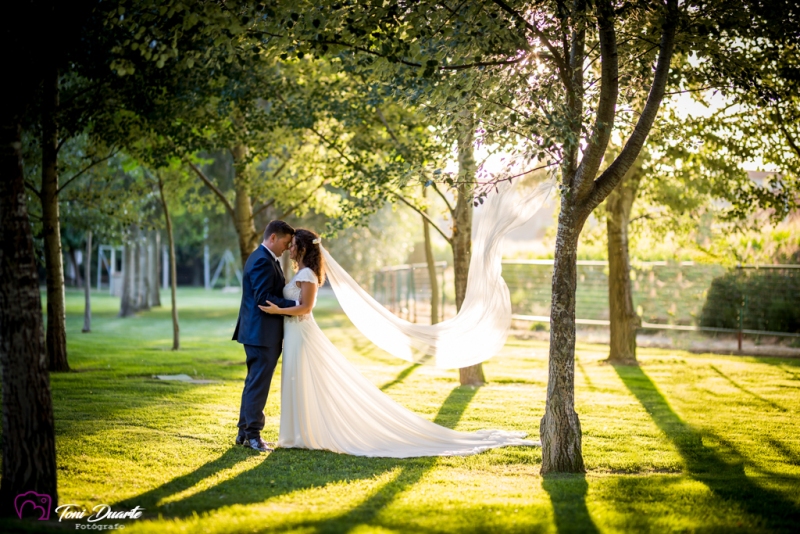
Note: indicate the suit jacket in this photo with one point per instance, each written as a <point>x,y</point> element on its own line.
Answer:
<point>262,281</point>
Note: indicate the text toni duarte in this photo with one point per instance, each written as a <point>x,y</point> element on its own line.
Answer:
<point>99,513</point>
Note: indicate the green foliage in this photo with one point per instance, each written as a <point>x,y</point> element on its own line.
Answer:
<point>754,64</point>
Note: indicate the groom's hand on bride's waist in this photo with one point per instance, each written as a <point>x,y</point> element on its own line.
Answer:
<point>272,309</point>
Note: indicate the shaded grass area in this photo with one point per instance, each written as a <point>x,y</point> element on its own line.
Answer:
<point>681,443</point>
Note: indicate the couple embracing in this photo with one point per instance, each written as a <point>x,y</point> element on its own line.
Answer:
<point>326,403</point>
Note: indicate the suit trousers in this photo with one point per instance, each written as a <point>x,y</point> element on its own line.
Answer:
<point>261,363</point>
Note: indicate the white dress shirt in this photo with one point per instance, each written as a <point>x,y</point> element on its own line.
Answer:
<point>297,302</point>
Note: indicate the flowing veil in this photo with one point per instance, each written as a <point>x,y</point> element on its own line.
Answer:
<point>480,328</point>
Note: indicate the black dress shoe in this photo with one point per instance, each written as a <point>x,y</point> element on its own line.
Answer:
<point>258,444</point>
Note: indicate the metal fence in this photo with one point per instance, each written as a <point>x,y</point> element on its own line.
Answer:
<point>761,300</point>
<point>755,300</point>
<point>406,290</point>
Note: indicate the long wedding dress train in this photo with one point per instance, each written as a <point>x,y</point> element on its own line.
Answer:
<point>326,403</point>
<point>481,327</point>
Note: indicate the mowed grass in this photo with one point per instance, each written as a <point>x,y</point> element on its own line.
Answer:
<point>684,442</point>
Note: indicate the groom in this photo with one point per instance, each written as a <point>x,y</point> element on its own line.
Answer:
<point>261,333</point>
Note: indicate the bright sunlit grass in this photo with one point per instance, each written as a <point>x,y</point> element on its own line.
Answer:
<point>682,443</point>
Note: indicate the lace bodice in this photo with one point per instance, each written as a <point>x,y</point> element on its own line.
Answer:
<point>292,291</point>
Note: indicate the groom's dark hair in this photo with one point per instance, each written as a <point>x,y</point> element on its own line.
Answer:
<point>277,227</point>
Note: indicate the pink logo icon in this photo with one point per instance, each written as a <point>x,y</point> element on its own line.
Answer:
<point>39,501</point>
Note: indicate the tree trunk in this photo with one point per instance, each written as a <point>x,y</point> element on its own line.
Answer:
<point>622,315</point>
<point>134,263</point>
<point>73,259</point>
<point>126,304</point>
<point>462,236</point>
<point>28,444</point>
<point>136,290</point>
<point>153,247</point>
<point>243,207</point>
<point>87,286</point>
<point>426,230</point>
<point>176,340</point>
<point>560,428</point>
<point>142,281</point>
<point>56,336</point>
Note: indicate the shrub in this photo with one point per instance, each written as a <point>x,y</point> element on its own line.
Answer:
<point>768,298</point>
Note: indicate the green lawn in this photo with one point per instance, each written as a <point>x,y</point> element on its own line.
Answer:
<point>683,443</point>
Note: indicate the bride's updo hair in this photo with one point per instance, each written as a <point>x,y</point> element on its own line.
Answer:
<point>309,252</point>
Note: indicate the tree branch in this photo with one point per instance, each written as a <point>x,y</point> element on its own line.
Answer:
<point>446,202</point>
<point>274,175</point>
<point>422,212</point>
<point>92,164</point>
<point>206,180</point>
<point>305,199</point>
<point>559,61</point>
<point>786,134</point>
<point>695,90</point>
<point>379,113</point>
<point>32,187</point>
<point>509,178</point>
<point>606,107</point>
<point>359,167</point>
<point>609,179</point>
<point>504,105</point>
<point>453,12</point>
<point>462,66</point>
<point>575,93</point>
<point>281,167</point>
<point>265,206</point>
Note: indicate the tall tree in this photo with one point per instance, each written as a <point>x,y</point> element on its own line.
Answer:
<point>176,344</point>
<point>29,453</point>
<point>697,161</point>
<point>524,66</point>
<point>431,265</point>
<point>29,448</point>
<point>87,287</point>
<point>62,105</point>
<point>622,315</point>
<point>56,338</point>
<point>461,239</point>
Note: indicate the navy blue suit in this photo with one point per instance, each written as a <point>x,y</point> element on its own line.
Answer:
<point>261,334</point>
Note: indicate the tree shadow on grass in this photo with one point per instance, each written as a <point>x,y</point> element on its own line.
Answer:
<point>722,473</point>
<point>745,390</point>
<point>287,470</point>
<point>586,378</point>
<point>411,471</point>
<point>568,497</point>
<point>790,456</point>
<point>402,375</point>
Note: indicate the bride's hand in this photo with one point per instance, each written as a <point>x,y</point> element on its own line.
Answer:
<point>270,308</point>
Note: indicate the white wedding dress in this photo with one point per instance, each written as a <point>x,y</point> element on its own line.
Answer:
<point>326,403</point>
